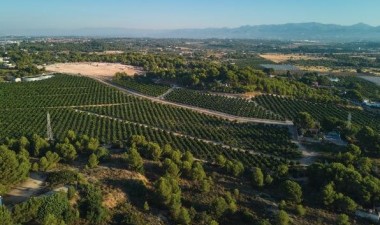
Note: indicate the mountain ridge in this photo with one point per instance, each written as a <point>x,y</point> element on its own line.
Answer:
<point>288,31</point>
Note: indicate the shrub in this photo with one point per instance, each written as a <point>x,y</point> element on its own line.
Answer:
<point>90,204</point>
<point>282,218</point>
<point>57,178</point>
<point>92,161</point>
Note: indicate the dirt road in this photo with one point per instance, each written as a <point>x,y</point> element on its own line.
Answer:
<point>175,133</point>
<point>197,109</point>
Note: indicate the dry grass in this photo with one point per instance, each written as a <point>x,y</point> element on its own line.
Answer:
<point>279,58</point>
<point>93,69</point>
<point>323,69</point>
<point>114,197</point>
<point>108,53</point>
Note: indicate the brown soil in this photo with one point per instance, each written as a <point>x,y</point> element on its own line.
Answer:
<point>278,58</point>
<point>93,69</point>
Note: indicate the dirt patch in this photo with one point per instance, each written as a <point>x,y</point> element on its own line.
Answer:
<point>113,183</point>
<point>323,69</point>
<point>251,94</point>
<point>107,53</point>
<point>93,69</point>
<point>278,58</point>
<point>113,198</point>
<point>25,190</point>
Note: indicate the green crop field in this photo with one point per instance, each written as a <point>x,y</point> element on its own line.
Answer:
<point>86,106</point>
<point>233,106</point>
<point>289,107</point>
<point>144,88</point>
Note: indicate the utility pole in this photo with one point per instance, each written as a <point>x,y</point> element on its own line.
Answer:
<point>49,131</point>
<point>349,118</point>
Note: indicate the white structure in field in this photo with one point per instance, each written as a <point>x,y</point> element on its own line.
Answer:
<point>370,215</point>
<point>371,104</point>
<point>37,78</point>
<point>49,130</point>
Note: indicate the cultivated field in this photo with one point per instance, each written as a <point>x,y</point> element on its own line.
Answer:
<point>279,58</point>
<point>373,79</point>
<point>93,69</point>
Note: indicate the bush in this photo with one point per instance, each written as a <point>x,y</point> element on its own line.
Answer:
<point>183,216</point>
<point>92,161</point>
<point>91,204</point>
<point>13,168</point>
<point>292,191</point>
<point>56,205</point>
<point>62,177</point>
<point>282,218</point>
<point>235,167</point>
<point>38,209</point>
<point>146,206</point>
<point>219,206</point>
<point>301,211</point>
<point>257,177</point>
<point>343,219</point>
<point>71,192</point>
<point>5,216</point>
<point>67,151</point>
<point>134,160</point>
<point>49,161</point>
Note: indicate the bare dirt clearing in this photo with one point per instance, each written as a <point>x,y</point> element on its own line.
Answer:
<point>25,190</point>
<point>278,58</point>
<point>94,69</point>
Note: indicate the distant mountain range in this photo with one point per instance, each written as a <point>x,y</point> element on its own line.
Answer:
<point>291,31</point>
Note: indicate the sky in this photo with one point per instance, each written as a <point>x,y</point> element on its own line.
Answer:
<point>174,14</point>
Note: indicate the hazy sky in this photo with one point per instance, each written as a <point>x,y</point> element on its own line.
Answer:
<point>166,14</point>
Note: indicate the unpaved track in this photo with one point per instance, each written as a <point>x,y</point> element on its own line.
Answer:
<point>197,109</point>
<point>252,152</point>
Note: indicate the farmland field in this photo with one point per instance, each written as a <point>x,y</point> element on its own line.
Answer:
<point>279,58</point>
<point>373,79</point>
<point>93,69</point>
<point>88,107</point>
<point>289,107</point>
<point>141,87</point>
<point>233,106</point>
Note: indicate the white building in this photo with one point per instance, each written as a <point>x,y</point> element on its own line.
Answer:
<point>37,78</point>
<point>334,79</point>
<point>370,215</point>
<point>371,104</point>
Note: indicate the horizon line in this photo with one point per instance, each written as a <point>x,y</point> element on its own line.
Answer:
<point>191,28</point>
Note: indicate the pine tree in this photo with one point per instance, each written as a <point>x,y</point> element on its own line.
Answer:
<point>257,177</point>
<point>92,161</point>
<point>5,216</point>
<point>134,160</point>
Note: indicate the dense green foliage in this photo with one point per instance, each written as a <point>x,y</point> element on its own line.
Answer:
<point>141,85</point>
<point>38,209</point>
<point>290,107</point>
<point>130,116</point>
<point>229,105</point>
<point>13,168</point>
<point>91,206</point>
<point>366,89</point>
<point>186,122</point>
